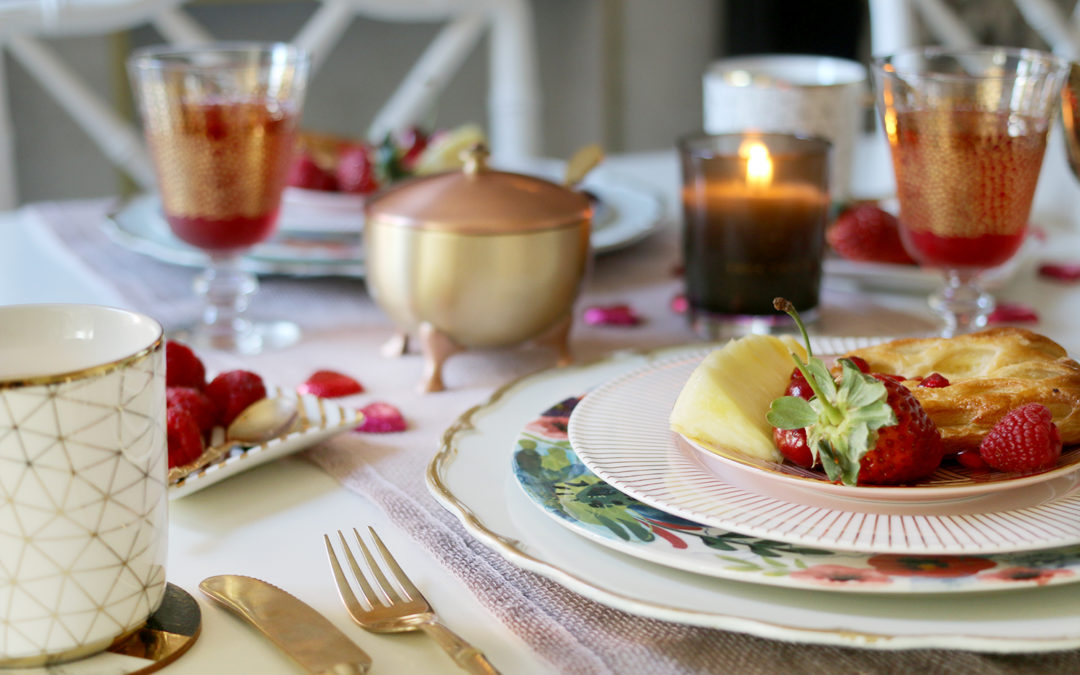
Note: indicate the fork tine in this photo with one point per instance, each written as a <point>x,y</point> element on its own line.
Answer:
<point>388,588</point>
<point>372,598</point>
<point>399,574</point>
<point>344,588</point>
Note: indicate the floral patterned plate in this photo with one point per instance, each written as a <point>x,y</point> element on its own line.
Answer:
<point>471,476</point>
<point>554,478</point>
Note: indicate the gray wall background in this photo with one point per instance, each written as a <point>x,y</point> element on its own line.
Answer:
<point>624,73</point>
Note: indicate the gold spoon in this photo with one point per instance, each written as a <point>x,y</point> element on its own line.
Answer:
<point>581,163</point>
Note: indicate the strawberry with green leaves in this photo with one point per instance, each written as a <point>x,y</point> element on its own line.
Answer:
<point>864,429</point>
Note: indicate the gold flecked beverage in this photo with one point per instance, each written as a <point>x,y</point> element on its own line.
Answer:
<point>221,168</point>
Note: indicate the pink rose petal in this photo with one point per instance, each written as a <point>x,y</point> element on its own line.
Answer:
<point>1060,271</point>
<point>330,384</point>
<point>1012,312</point>
<point>612,315</point>
<point>381,418</point>
<point>679,304</point>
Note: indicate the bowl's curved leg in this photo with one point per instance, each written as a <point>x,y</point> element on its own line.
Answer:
<point>436,347</point>
<point>558,338</point>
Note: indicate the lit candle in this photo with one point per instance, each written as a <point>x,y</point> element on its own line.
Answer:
<point>755,222</point>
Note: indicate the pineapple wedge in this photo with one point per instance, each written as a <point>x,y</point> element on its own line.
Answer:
<point>724,401</point>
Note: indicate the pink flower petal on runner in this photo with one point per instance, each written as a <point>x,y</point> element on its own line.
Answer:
<point>1012,312</point>
<point>330,384</point>
<point>679,304</point>
<point>612,315</point>
<point>381,418</point>
<point>1060,271</point>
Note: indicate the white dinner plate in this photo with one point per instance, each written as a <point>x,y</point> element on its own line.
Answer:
<point>139,225</point>
<point>320,211</point>
<point>624,212</point>
<point>471,476</point>
<point>554,479</point>
<point>621,432</point>
<point>319,419</point>
<point>921,280</point>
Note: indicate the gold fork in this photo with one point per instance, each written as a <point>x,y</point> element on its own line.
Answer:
<point>394,609</point>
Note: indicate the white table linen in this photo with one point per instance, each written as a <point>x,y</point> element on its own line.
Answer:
<point>268,522</point>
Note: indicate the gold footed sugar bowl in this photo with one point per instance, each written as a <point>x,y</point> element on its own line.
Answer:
<point>477,259</point>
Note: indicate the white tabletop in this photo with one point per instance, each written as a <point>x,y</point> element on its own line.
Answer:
<point>261,523</point>
<point>251,523</point>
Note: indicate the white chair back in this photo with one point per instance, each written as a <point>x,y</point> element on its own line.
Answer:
<point>513,98</point>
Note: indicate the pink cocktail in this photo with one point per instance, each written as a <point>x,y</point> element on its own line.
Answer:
<point>221,121</point>
<point>967,129</point>
<point>221,167</point>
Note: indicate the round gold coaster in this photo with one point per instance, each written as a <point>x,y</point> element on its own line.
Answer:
<point>166,635</point>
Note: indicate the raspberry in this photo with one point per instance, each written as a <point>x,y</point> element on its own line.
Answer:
<point>934,381</point>
<point>330,384</point>
<point>234,390</point>
<point>1026,439</point>
<point>381,418</point>
<point>195,403</point>
<point>185,442</point>
<point>182,367</point>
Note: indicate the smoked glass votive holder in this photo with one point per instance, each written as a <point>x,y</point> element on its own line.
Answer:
<point>755,207</point>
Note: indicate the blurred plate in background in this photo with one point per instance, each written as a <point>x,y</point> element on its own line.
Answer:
<point>320,232</point>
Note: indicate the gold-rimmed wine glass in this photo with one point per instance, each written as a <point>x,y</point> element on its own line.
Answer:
<point>967,129</point>
<point>220,120</point>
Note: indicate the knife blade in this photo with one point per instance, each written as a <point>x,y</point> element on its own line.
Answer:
<point>294,626</point>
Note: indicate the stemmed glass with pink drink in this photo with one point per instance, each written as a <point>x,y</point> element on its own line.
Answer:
<point>221,121</point>
<point>967,129</point>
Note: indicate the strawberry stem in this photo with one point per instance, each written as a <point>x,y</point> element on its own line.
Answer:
<point>784,305</point>
<point>834,415</point>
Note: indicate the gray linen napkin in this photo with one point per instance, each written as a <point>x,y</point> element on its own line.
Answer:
<point>572,633</point>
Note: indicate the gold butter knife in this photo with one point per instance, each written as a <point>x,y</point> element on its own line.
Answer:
<point>294,626</point>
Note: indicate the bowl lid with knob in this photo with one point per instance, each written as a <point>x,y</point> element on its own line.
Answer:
<point>479,200</point>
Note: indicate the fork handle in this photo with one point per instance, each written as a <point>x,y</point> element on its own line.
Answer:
<point>470,658</point>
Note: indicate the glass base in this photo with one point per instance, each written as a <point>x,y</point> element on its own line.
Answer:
<point>723,326</point>
<point>962,305</point>
<point>252,338</point>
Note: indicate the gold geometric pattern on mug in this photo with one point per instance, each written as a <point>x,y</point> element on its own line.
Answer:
<point>60,487</point>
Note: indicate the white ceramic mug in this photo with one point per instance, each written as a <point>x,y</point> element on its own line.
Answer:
<point>814,95</point>
<point>83,465</point>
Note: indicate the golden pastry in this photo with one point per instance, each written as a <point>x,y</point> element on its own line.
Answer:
<point>990,373</point>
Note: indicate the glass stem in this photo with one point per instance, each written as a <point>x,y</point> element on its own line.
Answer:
<point>961,303</point>
<point>226,290</point>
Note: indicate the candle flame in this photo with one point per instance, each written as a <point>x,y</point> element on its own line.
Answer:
<point>759,165</point>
